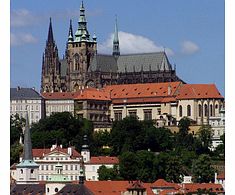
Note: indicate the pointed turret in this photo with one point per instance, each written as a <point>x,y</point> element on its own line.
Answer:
<point>27,169</point>
<point>116,50</point>
<point>27,155</point>
<point>70,36</point>
<point>50,38</point>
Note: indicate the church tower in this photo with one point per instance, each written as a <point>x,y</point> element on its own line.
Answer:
<point>80,50</point>
<point>50,80</point>
<point>116,49</point>
<point>27,169</point>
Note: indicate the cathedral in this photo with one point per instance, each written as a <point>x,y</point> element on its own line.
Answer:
<point>82,66</point>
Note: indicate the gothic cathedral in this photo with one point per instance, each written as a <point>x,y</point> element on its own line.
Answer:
<point>82,67</point>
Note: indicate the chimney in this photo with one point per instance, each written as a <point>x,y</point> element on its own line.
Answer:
<point>169,89</point>
<point>70,151</point>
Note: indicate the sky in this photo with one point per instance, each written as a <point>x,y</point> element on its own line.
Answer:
<point>190,31</point>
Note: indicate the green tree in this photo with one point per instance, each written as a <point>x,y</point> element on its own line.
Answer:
<point>109,173</point>
<point>62,128</point>
<point>128,166</point>
<point>145,164</point>
<point>16,128</point>
<point>15,150</point>
<point>202,170</point>
<point>204,135</point>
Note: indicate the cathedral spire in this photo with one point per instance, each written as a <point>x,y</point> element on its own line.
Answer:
<point>116,50</point>
<point>70,36</point>
<point>50,38</point>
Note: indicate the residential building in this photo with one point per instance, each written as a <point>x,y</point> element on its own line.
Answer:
<point>48,158</point>
<point>92,166</point>
<point>82,66</point>
<point>93,104</point>
<point>59,102</point>
<point>217,124</point>
<point>23,99</point>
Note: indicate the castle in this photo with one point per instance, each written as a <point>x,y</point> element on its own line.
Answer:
<point>82,66</point>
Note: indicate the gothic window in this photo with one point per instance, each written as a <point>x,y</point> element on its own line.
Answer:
<point>180,111</point>
<point>76,62</point>
<point>211,110</point>
<point>188,110</point>
<point>200,110</point>
<point>205,110</point>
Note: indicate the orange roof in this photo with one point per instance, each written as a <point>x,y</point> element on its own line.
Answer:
<point>142,90</point>
<point>93,94</point>
<point>42,152</point>
<point>103,160</point>
<point>198,91</point>
<point>60,95</point>
<point>112,187</point>
<point>194,187</point>
<point>161,183</point>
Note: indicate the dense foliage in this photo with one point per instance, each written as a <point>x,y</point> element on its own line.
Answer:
<point>145,152</point>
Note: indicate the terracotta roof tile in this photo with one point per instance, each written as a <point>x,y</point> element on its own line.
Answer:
<point>194,187</point>
<point>104,160</point>
<point>60,95</point>
<point>198,91</point>
<point>161,183</point>
<point>221,176</point>
<point>93,94</point>
<point>142,90</point>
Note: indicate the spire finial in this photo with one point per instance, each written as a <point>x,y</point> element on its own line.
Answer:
<point>70,37</point>
<point>116,50</point>
<point>50,38</point>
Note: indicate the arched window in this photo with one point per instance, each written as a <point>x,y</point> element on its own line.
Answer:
<point>188,110</point>
<point>21,171</point>
<point>199,110</point>
<point>31,171</point>
<point>211,110</point>
<point>205,110</point>
<point>180,111</point>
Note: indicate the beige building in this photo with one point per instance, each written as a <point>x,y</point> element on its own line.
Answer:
<point>165,103</point>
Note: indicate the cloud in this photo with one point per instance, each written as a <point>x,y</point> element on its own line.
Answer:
<point>21,18</point>
<point>131,43</point>
<point>22,38</point>
<point>188,47</point>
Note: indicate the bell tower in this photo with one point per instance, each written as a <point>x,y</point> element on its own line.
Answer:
<point>80,50</point>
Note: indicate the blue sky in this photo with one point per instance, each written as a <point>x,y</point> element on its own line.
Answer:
<point>191,31</point>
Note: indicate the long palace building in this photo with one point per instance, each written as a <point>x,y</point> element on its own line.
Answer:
<point>82,66</point>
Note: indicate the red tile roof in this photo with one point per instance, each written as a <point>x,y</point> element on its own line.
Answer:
<point>93,94</point>
<point>161,183</point>
<point>60,95</point>
<point>198,91</point>
<point>103,160</point>
<point>112,187</point>
<point>142,90</point>
<point>194,187</point>
<point>221,176</point>
<point>42,152</point>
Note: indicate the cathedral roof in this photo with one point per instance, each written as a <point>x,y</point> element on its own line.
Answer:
<point>130,62</point>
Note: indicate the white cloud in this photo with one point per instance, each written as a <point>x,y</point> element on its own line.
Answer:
<point>131,43</point>
<point>21,18</point>
<point>22,38</point>
<point>188,47</point>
